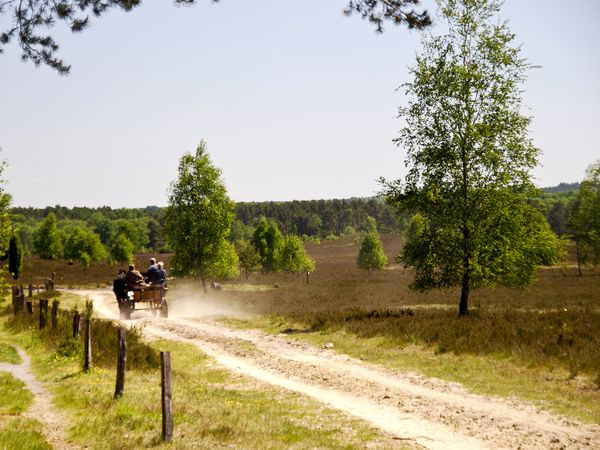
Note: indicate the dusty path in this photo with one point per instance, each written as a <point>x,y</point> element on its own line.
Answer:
<point>429,412</point>
<point>42,409</point>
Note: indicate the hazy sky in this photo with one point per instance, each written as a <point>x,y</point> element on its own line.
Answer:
<point>295,100</point>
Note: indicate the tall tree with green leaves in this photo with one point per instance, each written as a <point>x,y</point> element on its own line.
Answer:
<point>198,220</point>
<point>248,256</point>
<point>83,245</point>
<point>5,226</point>
<point>584,218</point>
<point>267,239</point>
<point>122,249</point>
<point>469,158</point>
<point>293,256</point>
<point>371,255</point>
<point>47,240</point>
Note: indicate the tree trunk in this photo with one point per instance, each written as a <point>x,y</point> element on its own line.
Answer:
<point>578,257</point>
<point>463,307</point>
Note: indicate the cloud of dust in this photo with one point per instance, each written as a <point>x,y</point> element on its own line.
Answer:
<point>194,304</point>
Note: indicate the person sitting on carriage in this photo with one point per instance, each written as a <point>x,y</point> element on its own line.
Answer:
<point>159,277</point>
<point>149,274</point>
<point>135,280</point>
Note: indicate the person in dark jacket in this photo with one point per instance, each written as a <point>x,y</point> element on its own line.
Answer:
<point>120,286</point>
<point>160,275</point>
<point>149,274</point>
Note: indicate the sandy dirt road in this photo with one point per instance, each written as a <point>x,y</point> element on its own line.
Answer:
<point>429,413</point>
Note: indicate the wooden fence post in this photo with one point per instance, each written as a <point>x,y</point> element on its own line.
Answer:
<point>19,304</point>
<point>30,290</point>
<point>55,304</point>
<point>121,362</point>
<point>167,400</point>
<point>43,313</point>
<point>14,291</point>
<point>29,307</point>
<point>307,277</point>
<point>87,363</point>
<point>76,326</point>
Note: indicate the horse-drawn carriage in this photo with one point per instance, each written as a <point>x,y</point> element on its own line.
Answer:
<point>152,298</point>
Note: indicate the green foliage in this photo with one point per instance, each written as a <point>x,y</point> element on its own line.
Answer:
<point>240,231</point>
<point>136,230</point>
<point>293,256</point>
<point>370,255</point>
<point>248,256</point>
<point>15,256</point>
<point>83,245</point>
<point>584,221</point>
<point>320,217</point>
<point>198,220</point>
<point>268,240</point>
<point>122,250</point>
<point>369,225</point>
<point>349,231</point>
<point>469,158</point>
<point>155,235</point>
<point>47,242</point>
<point>5,227</point>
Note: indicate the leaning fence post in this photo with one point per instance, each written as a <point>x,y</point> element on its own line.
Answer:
<point>167,400</point>
<point>55,304</point>
<point>43,313</point>
<point>121,362</point>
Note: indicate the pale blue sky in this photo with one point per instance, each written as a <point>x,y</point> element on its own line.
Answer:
<point>295,100</point>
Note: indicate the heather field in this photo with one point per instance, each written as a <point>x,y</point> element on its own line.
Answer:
<point>553,323</point>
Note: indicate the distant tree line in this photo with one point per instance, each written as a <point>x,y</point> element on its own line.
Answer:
<point>90,234</point>
<point>323,218</point>
<point>144,227</point>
